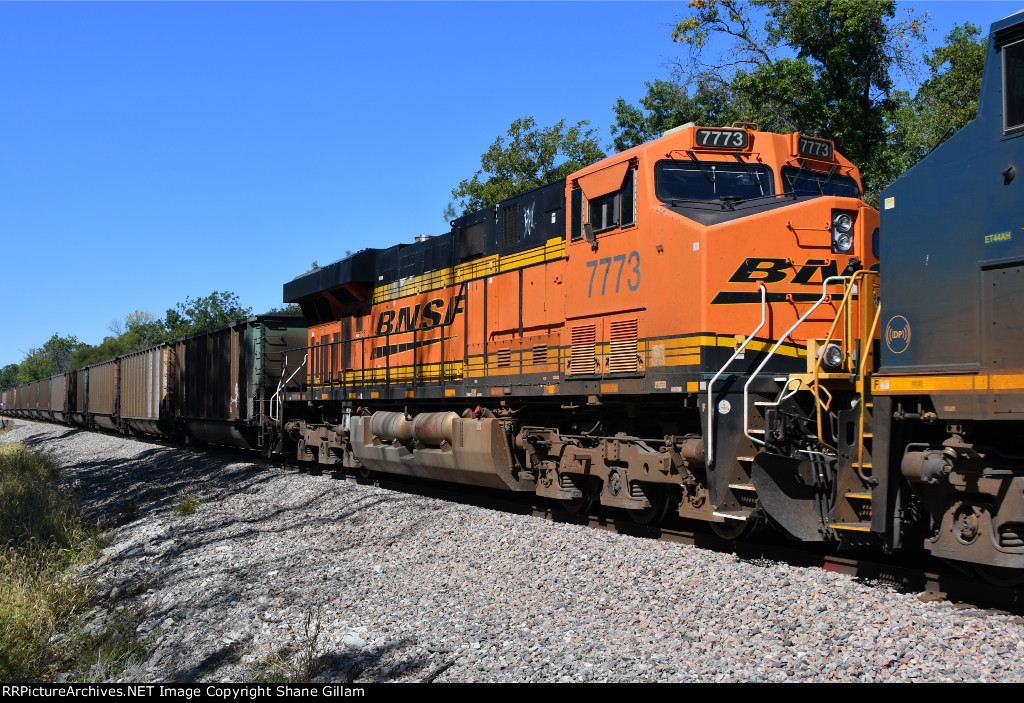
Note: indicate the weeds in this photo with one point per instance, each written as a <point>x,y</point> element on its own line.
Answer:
<point>300,663</point>
<point>104,654</point>
<point>44,537</point>
<point>186,505</point>
<point>34,510</point>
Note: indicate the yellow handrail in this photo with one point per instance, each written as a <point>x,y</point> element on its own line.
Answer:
<point>866,346</point>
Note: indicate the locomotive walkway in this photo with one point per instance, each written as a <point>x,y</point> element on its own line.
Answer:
<point>408,587</point>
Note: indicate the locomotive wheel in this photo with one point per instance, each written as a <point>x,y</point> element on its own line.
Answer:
<point>658,498</point>
<point>1000,575</point>
<point>731,529</point>
<point>589,491</point>
<point>577,505</point>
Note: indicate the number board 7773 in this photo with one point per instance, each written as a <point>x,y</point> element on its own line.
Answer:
<point>721,138</point>
<point>815,148</point>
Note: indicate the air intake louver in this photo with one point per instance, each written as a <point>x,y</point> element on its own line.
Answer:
<point>623,357</point>
<point>583,358</point>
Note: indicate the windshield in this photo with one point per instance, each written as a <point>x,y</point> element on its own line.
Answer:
<point>681,180</point>
<point>817,183</point>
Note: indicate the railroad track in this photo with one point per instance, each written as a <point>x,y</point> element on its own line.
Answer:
<point>931,579</point>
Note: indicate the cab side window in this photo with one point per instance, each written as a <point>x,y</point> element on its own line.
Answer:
<point>1013,87</point>
<point>605,212</point>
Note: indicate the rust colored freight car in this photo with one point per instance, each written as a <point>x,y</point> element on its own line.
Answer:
<point>77,397</point>
<point>39,398</point>
<point>58,398</point>
<point>102,394</point>
<point>146,390</point>
<point>566,341</point>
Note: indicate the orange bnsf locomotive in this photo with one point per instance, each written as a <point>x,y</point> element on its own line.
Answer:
<point>629,335</point>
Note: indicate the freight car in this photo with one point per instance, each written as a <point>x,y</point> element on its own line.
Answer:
<point>695,324</point>
<point>222,386</point>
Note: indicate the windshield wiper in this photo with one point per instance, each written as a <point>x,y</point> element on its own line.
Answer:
<point>792,179</point>
<point>703,169</point>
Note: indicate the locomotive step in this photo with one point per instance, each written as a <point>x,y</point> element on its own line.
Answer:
<point>742,487</point>
<point>852,526</point>
<point>731,515</point>
<point>859,496</point>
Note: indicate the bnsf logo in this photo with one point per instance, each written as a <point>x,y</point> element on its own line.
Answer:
<point>776,271</point>
<point>421,316</point>
<point>766,271</point>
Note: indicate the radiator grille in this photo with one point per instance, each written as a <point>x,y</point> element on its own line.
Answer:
<point>583,356</point>
<point>623,348</point>
<point>540,354</point>
<point>509,226</point>
<point>504,357</point>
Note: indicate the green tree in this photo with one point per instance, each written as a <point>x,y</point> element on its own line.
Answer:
<point>201,314</point>
<point>528,157</point>
<point>9,377</point>
<point>142,330</point>
<point>88,354</point>
<point>667,105</point>
<point>293,309</point>
<point>53,358</point>
<point>825,67</point>
<point>949,96</point>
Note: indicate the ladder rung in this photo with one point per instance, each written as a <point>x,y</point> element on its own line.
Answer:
<point>859,496</point>
<point>863,466</point>
<point>742,487</point>
<point>868,434</point>
<point>744,458</point>
<point>853,526</point>
<point>764,402</point>
<point>755,431</point>
<point>730,516</point>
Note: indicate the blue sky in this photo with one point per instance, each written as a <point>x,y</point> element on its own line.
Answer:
<point>153,151</point>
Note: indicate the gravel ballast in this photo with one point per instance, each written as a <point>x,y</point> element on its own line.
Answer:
<point>407,588</point>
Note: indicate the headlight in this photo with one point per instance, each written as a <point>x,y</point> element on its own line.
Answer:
<point>842,232</point>
<point>842,223</point>
<point>832,357</point>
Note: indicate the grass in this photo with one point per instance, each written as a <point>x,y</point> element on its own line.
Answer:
<point>44,537</point>
<point>299,663</point>
<point>102,655</point>
<point>186,505</point>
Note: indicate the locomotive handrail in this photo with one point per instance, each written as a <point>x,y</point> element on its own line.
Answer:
<point>711,407</point>
<point>865,358</point>
<point>831,280</point>
<point>275,400</point>
<point>843,313</point>
<point>386,336</point>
